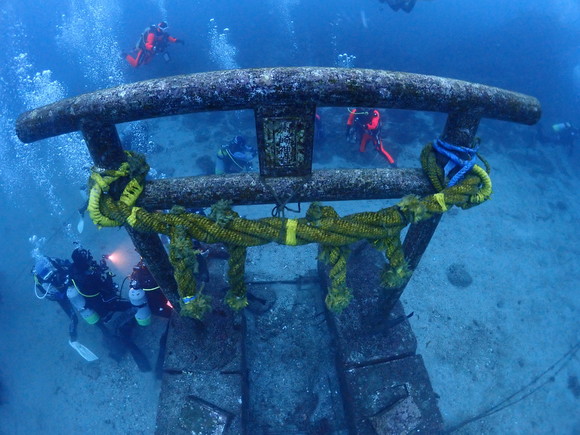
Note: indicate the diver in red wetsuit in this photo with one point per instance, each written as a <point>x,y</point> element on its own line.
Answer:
<point>153,41</point>
<point>364,125</point>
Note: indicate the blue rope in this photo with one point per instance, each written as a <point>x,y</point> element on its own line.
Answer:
<point>451,152</point>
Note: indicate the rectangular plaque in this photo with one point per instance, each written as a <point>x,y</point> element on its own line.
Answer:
<point>285,139</point>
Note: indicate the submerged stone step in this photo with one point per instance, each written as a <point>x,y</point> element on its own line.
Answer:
<point>385,386</point>
<point>292,383</point>
<point>393,397</point>
<point>201,388</point>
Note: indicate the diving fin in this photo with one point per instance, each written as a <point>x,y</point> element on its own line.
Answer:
<point>81,224</point>
<point>83,351</point>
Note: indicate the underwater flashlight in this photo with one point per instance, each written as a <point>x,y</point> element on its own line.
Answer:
<point>113,257</point>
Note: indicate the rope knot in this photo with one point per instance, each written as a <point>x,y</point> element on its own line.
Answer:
<point>453,152</point>
<point>469,186</point>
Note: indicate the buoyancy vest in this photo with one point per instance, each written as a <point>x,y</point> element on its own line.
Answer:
<point>152,38</point>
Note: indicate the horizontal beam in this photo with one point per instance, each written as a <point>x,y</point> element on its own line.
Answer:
<point>250,188</point>
<point>253,88</point>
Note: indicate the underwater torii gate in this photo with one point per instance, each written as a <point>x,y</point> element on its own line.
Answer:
<point>284,101</point>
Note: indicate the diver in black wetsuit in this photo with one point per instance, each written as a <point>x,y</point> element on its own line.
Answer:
<point>86,288</point>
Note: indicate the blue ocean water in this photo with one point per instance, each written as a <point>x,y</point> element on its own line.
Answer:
<point>58,49</point>
<point>55,49</point>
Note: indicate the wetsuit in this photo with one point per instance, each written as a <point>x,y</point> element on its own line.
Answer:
<point>367,126</point>
<point>153,41</point>
<point>234,157</point>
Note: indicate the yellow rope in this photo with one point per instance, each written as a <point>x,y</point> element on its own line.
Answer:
<point>485,193</point>
<point>440,198</point>
<point>291,225</point>
<point>320,225</point>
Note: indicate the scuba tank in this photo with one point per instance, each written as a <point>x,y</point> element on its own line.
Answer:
<point>146,296</point>
<point>138,299</point>
<point>78,301</point>
<point>141,41</point>
<point>140,280</point>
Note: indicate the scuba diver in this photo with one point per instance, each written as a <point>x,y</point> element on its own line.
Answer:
<point>153,41</point>
<point>563,133</point>
<point>364,125</point>
<point>86,288</point>
<point>235,156</point>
